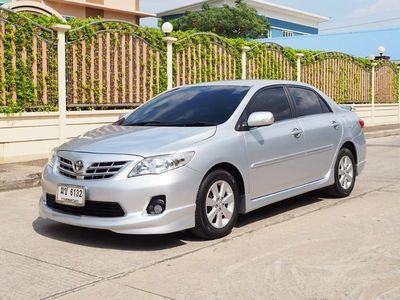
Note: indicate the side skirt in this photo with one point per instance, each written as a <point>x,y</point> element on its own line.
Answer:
<point>256,203</point>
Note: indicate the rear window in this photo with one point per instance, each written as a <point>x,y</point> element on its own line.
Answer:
<point>190,106</point>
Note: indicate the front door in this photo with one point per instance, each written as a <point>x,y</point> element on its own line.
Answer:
<point>276,153</point>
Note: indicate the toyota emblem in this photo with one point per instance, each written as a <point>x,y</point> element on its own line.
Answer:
<point>78,166</point>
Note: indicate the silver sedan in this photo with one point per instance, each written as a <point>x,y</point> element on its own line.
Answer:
<point>197,156</point>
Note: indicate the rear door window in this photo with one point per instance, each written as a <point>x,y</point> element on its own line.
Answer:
<point>325,106</point>
<point>307,102</point>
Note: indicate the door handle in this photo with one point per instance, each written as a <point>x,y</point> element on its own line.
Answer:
<point>335,124</point>
<point>297,133</point>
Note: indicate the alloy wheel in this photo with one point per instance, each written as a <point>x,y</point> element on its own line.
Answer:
<point>346,172</point>
<point>220,204</point>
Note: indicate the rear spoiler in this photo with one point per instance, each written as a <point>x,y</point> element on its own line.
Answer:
<point>348,107</point>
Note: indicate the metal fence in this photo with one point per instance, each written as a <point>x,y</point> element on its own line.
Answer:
<point>268,61</point>
<point>118,64</point>
<point>203,57</point>
<point>112,67</point>
<point>28,62</point>
<point>340,77</point>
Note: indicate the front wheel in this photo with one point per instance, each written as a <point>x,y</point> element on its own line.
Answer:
<point>217,205</point>
<point>345,174</point>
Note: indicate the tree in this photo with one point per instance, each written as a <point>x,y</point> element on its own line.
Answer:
<point>239,21</point>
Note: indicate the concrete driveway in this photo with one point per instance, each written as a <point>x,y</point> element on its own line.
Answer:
<point>308,247</point>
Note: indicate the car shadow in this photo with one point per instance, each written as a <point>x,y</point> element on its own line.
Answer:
<point>109,240</point>
<point>98,238</point>
<point>281,207</point>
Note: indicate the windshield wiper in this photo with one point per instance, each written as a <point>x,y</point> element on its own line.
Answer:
<point>149,123</point>
<point>197,124</point>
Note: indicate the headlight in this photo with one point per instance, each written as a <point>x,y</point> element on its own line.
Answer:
<point>161,164</point>
<point>52,158</point>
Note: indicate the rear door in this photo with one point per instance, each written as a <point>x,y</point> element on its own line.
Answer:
<point>322,130</point>
<point>276,155</point>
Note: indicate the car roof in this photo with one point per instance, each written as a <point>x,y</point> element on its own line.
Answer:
<point>252,83</point>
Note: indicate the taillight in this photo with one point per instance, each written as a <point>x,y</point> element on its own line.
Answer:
<point>361,122</point>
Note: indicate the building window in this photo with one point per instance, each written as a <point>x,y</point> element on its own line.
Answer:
<point>275,32</point>
<point>69,18</point>
<point>287,33</point>
<point>94,12</point>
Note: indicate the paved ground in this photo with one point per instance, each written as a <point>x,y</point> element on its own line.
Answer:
<point>307,247</point>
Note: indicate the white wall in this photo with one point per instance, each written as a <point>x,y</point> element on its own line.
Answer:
<point>31,136</point>
<point>383,114</point>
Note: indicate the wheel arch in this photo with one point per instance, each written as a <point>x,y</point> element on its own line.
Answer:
<point>234,171</point>
<point>350,145</point>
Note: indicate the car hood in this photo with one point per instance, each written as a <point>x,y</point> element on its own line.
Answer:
<point>144,140</point>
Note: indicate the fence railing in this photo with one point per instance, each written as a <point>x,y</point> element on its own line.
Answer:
<point>109,64</point>
<point>268,61</point>
<point>112,67</point>
<point>118,64</point>
<point>386,82</point>
<point>203,57</point>
<point>28,62</point>
<point>340,77</point>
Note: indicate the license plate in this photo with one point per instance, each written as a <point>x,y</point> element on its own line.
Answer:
<point>71,195</point>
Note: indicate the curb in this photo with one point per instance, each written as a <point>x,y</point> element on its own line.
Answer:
<point>28,181</point>
<point>382,133</point>
<point>34,179</point>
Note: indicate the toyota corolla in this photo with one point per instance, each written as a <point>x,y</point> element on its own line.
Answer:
<point>197,156</point>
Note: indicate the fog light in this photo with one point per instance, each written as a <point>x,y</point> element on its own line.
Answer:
<point>156,206</point>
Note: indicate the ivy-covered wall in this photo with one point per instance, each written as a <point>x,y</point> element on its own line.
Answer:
<point>117,64</point>
<point>28,65</point>
<point>113,64</point>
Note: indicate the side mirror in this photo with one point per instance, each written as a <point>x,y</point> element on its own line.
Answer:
<point>259,119</point>
<point>122,116</point>
<point>121,119</point>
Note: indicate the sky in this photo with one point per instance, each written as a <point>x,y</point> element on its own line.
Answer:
<point>346,15</point>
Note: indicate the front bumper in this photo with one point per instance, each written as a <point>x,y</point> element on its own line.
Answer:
<point>179,186</point>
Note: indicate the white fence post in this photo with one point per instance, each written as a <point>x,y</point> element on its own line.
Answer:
<point>299,57</point>
<point>245,49</point>
<point>62,88</point>
<point>373,91</point>
<point>170,41</point>
<point>399,92</point>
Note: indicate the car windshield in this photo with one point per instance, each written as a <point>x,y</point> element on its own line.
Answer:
<point>189,106</point>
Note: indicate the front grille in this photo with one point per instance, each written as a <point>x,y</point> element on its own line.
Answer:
<point>91,208</point>
<point>97,170</point>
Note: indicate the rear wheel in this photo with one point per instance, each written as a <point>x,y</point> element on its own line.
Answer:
<point>345,174</point>
<point>217,205</point>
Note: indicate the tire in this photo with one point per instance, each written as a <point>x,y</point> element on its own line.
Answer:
<point>217,205</point>
<point>345,175</point>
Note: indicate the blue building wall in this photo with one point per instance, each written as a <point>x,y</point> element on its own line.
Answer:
<point>292,26</point>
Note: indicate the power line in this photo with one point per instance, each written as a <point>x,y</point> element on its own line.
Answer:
<point>360,24</point>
